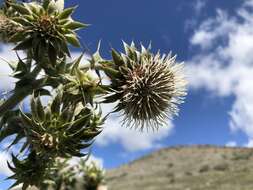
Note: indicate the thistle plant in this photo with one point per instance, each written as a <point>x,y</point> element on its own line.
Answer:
<point>146,88</point>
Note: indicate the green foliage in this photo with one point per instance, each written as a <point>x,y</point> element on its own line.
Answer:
<point>29,171</point>
<point>63,176</point>
<point>221,167</point>
<point>204,168</point>
<point>243,155</point>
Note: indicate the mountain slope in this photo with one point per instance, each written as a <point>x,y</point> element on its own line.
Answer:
<point>187,168</point>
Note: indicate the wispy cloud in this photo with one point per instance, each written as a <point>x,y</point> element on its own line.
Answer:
<point>130,139</point>
<point>6,54</point>
<point>92,159</point>
<point>231,144</point>
<point>224,64</point>
<point>199,5</point>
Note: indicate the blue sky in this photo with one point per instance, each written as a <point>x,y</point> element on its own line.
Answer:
<point>169,25</point>
<point>215,40</point>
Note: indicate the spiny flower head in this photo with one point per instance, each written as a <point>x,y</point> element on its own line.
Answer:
<point>93,175</point>
<point>29,171</point>
<point>47,30</point>
<point>149,86</point>
<point>59,129</point>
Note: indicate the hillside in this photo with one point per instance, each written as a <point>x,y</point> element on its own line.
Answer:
<point>187,168</point>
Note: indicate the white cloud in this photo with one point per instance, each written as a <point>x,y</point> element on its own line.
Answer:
<point>131,140</point>
<point>211,29</point>
<point>6,54</point>
<point>231,144</point>
<point>224,64</point>
<point>199,5</point>
<point>4,170</point>
<point>92,159</point>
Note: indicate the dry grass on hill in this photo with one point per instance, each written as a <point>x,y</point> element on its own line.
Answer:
<point>187,168</point>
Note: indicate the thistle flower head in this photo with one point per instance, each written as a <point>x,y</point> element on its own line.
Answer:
<point>149,87</point>
<point>93,175</point>
<point>29,171</point>
<point>46,30</point>
<point>59,130</point>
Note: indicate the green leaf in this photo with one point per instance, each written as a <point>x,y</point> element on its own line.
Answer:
<point>26,44</point>
<point>110,72</point>
<point>83,146</point>
<point>21,21</point>
<point>76,64</point>
<point>52,54</point>
<point>78,154</point>
<point>64,48</point>
<point>10,127</point>
<point>67,115</point>
<point>21,70</point>
<point>24,146</point>
<point>30,18</point>
<point>13,65</point>
<point>34,8</point>
<point>72,39</point>
<point>111,98</point>
<point>48,113</point>
<point>15,160</point>
<point>55,106</point>
<point>42,92</point>
<point>79,123</point>
<point>66,13</point>
<point>25,186</point>
<point>96,57</point>
<point>64,21</point>
<point>11,168</point>
<point>40,109</point>
<point>33,105</point>
<point>16,140</point>
<point>17,37</point>
<point>40,51</point>
<point>90,135</point>
<point>75,25</point>
<point>14,185</point>
<point>45,4</point>
<point>117,58</point>
<point>20,8</point>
